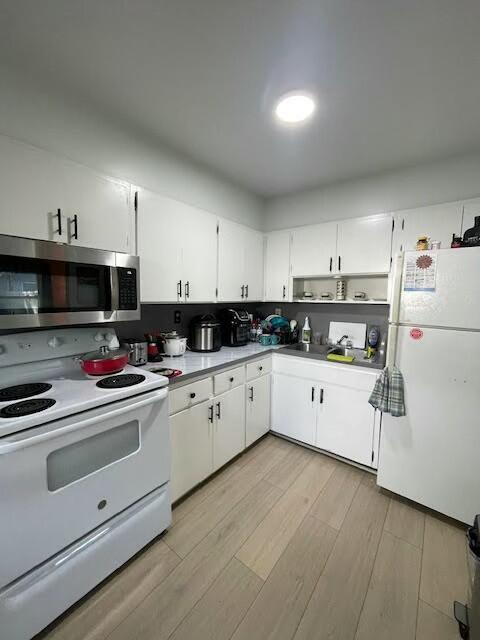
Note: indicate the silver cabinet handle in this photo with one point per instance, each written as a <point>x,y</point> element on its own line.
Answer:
<point>284,291</point>
<point>313,394</point>
<point>331,264</point>
<point>339,263</point>
<point>243,291</point>
<point>219,413</point>
<point>210,413</point>
<point>251,394</point>
<point>321,396</point>
<point>179,288</point>
<point>187,289</point>
<point>246,291</point>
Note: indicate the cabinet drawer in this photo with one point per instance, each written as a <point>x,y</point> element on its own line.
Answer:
<point>259,368</point>
<point>228,380</point>
<point>189,395</point>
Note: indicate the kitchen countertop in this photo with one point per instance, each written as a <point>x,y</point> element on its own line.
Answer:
<point>195,365</point>
<point>192,364</point>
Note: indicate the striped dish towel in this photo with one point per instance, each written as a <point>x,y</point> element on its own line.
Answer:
<point>388,393</point>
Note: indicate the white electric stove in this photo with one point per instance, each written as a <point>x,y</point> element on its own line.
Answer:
<point>84,472</point>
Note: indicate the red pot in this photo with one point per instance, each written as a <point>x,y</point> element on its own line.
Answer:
<point>104,361</point>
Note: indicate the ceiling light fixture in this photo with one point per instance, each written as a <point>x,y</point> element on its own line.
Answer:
<point>293,108</point>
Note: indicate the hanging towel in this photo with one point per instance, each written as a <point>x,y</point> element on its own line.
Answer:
<point>388,393</point>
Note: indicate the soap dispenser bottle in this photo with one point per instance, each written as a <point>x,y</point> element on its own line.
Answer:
<point>306,332</point>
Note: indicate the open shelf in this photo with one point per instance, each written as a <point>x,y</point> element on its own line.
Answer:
<point>315,301</point>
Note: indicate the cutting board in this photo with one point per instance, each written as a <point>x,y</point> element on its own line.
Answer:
<point>356,332</point>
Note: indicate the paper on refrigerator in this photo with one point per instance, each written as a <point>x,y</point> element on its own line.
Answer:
<point>420,271</point>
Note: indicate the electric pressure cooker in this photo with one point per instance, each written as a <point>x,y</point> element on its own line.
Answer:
<point>205,333</point>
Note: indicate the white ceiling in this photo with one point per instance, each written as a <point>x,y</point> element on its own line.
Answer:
<point>398,81</point>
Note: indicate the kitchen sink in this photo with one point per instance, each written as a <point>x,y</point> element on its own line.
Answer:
<point>321,351</point>
<point>309,348</point>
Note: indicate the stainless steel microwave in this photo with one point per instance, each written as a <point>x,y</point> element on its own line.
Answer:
<point>44,284</point>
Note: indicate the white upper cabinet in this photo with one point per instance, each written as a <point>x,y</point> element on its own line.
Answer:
<point>277,266</point>
<point>42,194</point>
<point>240,263</point>
<point>30,212</point>
<point>97,210</point>
<point>364,245</point>
<point>177,245</point>
<point>314,250</point>
<point>199,255</point>
<point>253,263</point>
<point>438,222</point>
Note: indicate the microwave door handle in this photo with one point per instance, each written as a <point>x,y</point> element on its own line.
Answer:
<point>114,289</point>
<point>24,443</point>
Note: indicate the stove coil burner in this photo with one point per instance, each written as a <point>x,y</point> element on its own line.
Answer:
<point>26,407</point>
<point>117,382</point>
<point>20,391</point>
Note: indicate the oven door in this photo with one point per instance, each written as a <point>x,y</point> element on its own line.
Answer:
<point>60,481</point>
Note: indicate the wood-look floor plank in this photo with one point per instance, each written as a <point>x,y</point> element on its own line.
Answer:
<point>434,625</point>
<point>405,522</point>
<point>314,476</point>
<point>99,614</point>
<point>167,605</point>
<point>279,607</point>
<point>219,612</point>
<point>266,544</point>
<point>390,608</point>
<point>334,608</point>
<point>334,501</point>
<point>185,535</point>
<point>286,471</point>
<point>444,566</point>
<point>186,506</point>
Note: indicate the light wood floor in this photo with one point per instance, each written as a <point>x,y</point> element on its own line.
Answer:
<point>284,543</point>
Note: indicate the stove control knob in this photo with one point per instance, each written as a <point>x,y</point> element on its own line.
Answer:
<point>99,337</point>
<point>55,342</point>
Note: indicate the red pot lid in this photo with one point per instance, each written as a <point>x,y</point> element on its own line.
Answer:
<point>104,353</point>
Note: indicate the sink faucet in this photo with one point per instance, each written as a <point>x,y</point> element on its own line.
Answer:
<point>348,343</point>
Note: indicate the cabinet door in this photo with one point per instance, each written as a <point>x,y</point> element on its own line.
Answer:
<point>191,446</point>
<point>31,193</point>
<point>253,264</point>
<point>102,207</point>
<point>294,405</point>
<point>231,268</point>
<point>199,255</point>
<point>438,222</point>
<point>257,409</point>
<point>345,422</point>
<point>160,232</point>
<point>313,250</point>
<point>229,434</point>
<point>364,245</point>
<point>277,266</point>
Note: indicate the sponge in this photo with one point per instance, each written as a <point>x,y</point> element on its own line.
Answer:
<point>339,358</point>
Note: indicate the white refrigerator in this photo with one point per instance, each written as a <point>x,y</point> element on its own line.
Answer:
<point>432,455</point>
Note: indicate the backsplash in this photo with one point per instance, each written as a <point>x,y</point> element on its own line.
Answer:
<point>161,317</point>
<point>320,315</point>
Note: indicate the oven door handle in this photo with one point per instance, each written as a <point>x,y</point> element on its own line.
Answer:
<point>28,441</point>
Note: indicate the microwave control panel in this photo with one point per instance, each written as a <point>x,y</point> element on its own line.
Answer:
<point>127,288</point>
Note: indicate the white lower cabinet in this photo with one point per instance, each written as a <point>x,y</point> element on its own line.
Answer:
<point>294,408</point>
<point>191,443</point>
<point>257,410</point>
<point>345,423</point>
<point>229,426</point>
<point>326,406</point>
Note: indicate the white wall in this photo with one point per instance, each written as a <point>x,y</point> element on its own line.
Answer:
<point>36,115</point>
<point>453,179</point>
